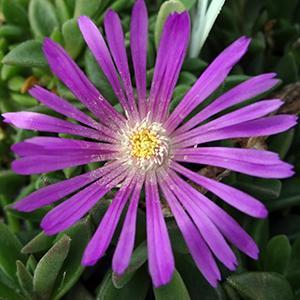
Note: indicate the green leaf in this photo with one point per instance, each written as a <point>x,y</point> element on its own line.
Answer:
<point>287,68</point>
<point>48,268</point>
<point>136,289</point>
<point>27,54</point>
<point>10,31</point>
<point>289,197</point>
<point>281,143</point>
<point>39,243</point>
<point>278,254</point>
<point>62,11</point>
<point>176,289</point>
<point>195,283</point>
<point>72,268</point>
<point>14,13</point>
<point>7,293</point>
<point>42,17</point>
<point>138,258</point>
<point>165,10</point>
<point>10,251</point>
<point>261,285</point>
<point>188,3</point>
<point>10,183</point>
<point>88,8</point>
<point>98,78</point>
<point>72,38</point>
<point>25,279</point>
<point>260,188</point>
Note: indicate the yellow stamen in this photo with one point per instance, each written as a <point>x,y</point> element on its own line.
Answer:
<point>144,144</point>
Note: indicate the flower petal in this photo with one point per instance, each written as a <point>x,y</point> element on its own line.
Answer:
<point>54,192</point>
<point>97,45</point>
<point>260,127</point>
<point>198,249</point>
<point>36,121</point>
<point>123,252</point>
<point>60,146</point>
<point>208,230</point>
<point>248,113</point>
<point>227,226</point>
<point>116,42</point>
<point>70,211</point>
<point>171,53</point>
<point>246,90</point>
<point>208,82</point>
<point>45,163</point>
<point>232,196</point>
<point>279,170</point>
<point>63,107</point>
<point>160,256</point>
<point>103,235</point>
<point>138,44</point>
<point>70,74</point>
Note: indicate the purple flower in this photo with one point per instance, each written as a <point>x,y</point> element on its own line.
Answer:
<point>143,148</point>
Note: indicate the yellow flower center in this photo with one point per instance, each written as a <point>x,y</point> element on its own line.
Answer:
<point>144,144</point>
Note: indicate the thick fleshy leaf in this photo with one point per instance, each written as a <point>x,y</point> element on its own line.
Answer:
<point>25,279</point>
<point>10,251</point>
<point>48,268</point>
<point>175,287</point>
<point>260,285</point>
<point>277,255</point>
<point>138,258</point>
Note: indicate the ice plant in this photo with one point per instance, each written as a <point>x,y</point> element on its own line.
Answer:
<point>143,147</point>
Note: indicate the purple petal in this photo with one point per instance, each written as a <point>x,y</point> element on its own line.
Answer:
<point>208,82</point>
<point>138,44</point>
<point>97,45</point>
<point>261,127</point>
<point>116,42</point>
<point>66,69</point>
<point>248,113</point>
<point>208,230</point>
<point>123,252</point>
<point>102,237</point>
<point>60,146</point>
<point>41,122</point>
<point>171,53</point>
<point>45,163</point>
<point>54,192</point>
<point>279,170</point>
<point>227,226</point>
<point>232,196</point>
<point>198,249</point>
<point>246,90</point>
<point>248,155</point>
<point>65,108</point>
<point>70,211</point>
<point>160,256</point>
